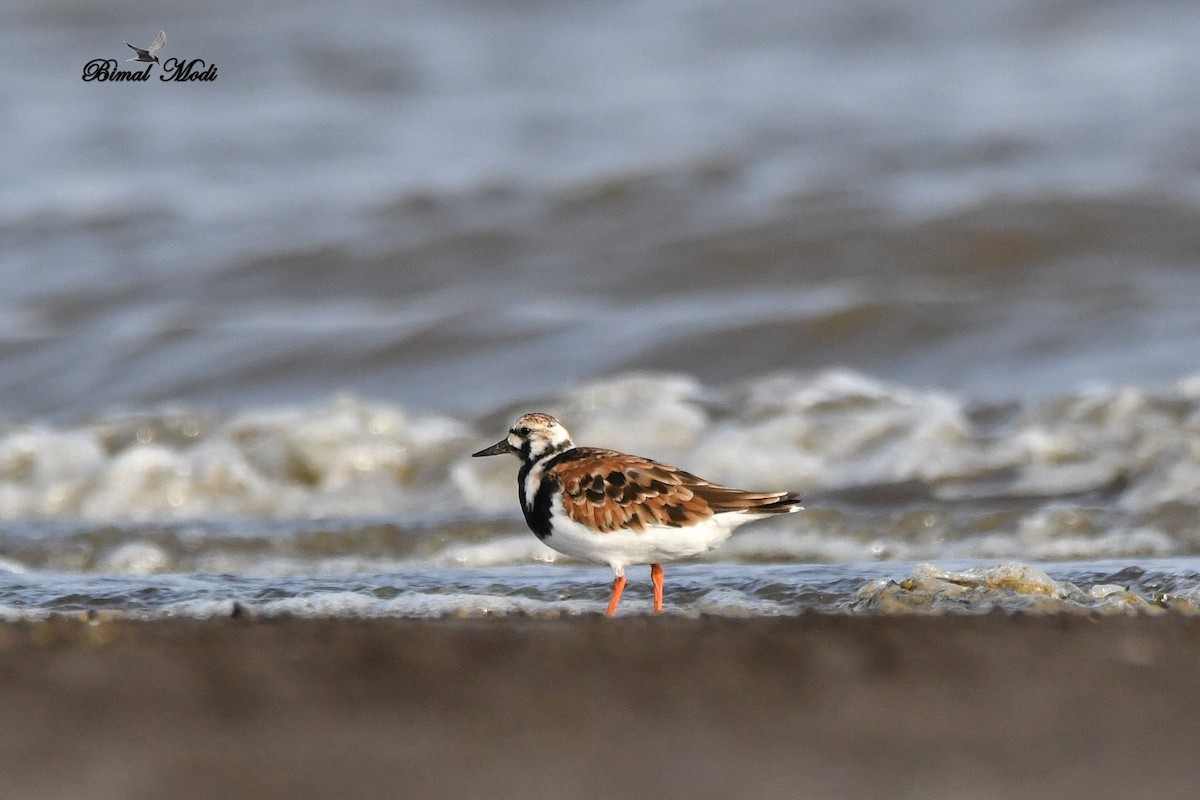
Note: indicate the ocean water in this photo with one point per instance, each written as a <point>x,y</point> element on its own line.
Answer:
<point>917,500</point>
<point>937,268</point>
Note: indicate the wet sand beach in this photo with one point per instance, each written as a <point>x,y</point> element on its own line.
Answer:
<point>829,706</point>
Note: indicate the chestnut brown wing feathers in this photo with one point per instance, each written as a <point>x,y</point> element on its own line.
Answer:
<point>608,490</point>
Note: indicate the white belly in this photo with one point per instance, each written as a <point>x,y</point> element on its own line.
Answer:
<point>621,548</point>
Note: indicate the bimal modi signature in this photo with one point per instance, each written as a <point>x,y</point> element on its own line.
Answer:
<point>173,69</point>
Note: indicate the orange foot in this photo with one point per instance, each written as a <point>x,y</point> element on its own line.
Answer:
<point>656,576</point>
<point>618,587</point>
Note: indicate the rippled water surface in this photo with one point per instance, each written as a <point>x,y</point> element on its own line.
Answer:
<point>720,590</point>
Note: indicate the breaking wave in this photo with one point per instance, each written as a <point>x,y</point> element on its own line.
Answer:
<point>889,473</point>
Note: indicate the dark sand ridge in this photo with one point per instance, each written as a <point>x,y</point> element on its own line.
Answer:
<point>1069,706</point>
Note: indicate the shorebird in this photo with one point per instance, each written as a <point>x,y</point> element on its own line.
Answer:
<point>618,509</point>
<point>149,53</point>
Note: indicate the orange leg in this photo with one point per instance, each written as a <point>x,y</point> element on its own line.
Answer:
<point>656,577</point>
<point>618,587</point>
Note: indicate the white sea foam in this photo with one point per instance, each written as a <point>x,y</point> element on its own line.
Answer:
<point>839,428</point>
<point>1098,474</point>
<point>11,566</point>
<point>136,558</point>
<point>47,472</point>
<point>522,548</point>
<point>348,458</point>
<point>806,544</point>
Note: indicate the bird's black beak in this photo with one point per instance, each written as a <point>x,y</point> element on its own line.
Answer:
<point>499,448</point>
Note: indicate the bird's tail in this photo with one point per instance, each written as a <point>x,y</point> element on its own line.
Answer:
<point>786,504</point>
<point>723,498</point>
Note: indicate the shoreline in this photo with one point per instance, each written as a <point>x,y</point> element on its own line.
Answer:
<point>831,706</point>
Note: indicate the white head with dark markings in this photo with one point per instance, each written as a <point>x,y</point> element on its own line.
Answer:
<point>531,437</point>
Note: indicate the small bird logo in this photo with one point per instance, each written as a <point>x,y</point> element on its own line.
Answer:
<point>149,53</point>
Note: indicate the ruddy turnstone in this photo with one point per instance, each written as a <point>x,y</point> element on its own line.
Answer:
<point>617,509</point>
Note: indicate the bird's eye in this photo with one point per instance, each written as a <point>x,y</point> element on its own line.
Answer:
<point>522,432</point>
